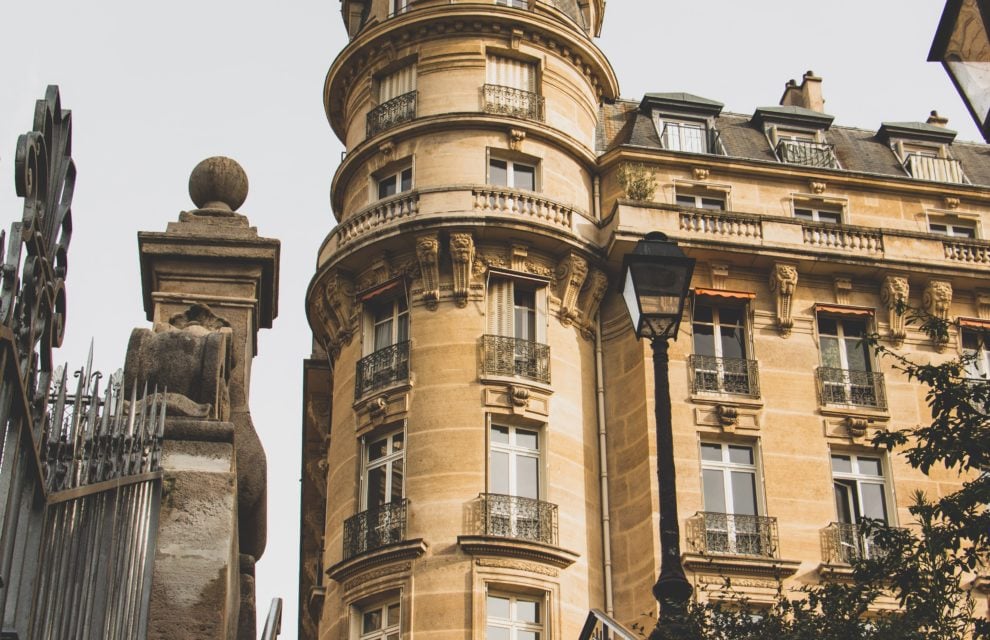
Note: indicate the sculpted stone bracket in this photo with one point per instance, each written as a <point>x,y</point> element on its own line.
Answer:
<point>983,304</point>
<point>783,282</point>
<point>336,311</point>
<point>843,290</point>
<point>571,273</point>
<point>728,418</point>
<point>462,261</point>
<point>428,254</point>
<point>936,301</point>
<point>894,296</point>
<point>719,273</point>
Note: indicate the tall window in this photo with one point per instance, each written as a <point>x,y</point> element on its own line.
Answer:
<point>398,6</point>
<point>391,323</point>
<point>512,88</point>
<point>514,462</point>
<point>397,83</point>
<point>847,363</point>
<point>720,361</point>
<point>511,617</point>
<point>515,343</point>
<point>860,488</point>
<point>730,487</point>
<point>512,73</point>
<point>512,174</point>
<point>380,622</point>
<point>384,463</point>
<point>386,345</point>
<point>975,348</point>
<point>395,182</point>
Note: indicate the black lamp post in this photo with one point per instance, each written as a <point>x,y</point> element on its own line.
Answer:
<point>656,279</point>
<point>962,45</point>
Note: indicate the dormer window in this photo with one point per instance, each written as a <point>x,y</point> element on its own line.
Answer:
<point>803,147</point>
<point>923,150</point>
<point>684,122</point>
<point>684,136</point>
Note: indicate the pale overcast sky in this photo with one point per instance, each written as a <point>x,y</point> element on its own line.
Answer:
<point>155,88</point>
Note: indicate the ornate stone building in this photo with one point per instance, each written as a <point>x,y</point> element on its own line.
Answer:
<point>478,454</point>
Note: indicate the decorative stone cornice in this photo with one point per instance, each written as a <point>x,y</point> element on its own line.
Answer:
<point>783,282</point>
<point>739,565</point>
<point>393,553</point>
<point>515,548</point>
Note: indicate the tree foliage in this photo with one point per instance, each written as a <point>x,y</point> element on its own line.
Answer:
<point>914,586</point>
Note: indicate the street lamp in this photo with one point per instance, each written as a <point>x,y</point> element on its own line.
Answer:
<point>655,283</point>
<point>962,45</point>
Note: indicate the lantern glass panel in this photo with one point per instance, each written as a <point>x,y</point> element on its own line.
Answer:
<point>974,80</point>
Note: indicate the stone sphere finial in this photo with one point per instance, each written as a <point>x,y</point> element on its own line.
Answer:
<point>218,183</point>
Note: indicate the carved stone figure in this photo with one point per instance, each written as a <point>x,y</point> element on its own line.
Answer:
<point>427,251</point>
<point>462,257</point>
<point>894,295</point>
<point>937,301</point>
<point>571,272</point>
<point>339,311</point>
<point>783,282</point>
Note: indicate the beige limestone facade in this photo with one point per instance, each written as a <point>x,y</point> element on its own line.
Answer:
<point>479,453</point>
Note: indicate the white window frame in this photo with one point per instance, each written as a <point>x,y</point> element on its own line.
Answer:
<point>398,7</point>
<point>954,226</point>
<point>715,201</point>
<point>734,536</point>
<point>860,479</point>
<point>514,451</point>
<point>510,165</point>
<point>513,625</point>
<point>979,368</point>
<point>716,306</point>
<point>386,631</point>
<point>381,310</point>
<point>678,139</point>
<point>816,209</point>
<point>387,461</point>
<point>840,336</point>
<point>395,174</point>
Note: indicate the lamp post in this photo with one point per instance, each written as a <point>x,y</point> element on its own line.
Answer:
<point>656,279</point>
<point>962,45</point>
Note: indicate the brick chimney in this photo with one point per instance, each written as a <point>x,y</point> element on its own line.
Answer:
<point>937,120</point>
<point>808,94</point>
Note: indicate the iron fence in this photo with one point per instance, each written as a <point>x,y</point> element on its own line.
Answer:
<point>733,534</point>
<point>806,152</point>
<point>844,543</point>
<point>392,113</point>
<point>382,368</point>
<point>517,517</point>
<point>507,101</point>
<point>375,528</point>
<point>506,356</point>
<point>724,375</point>
<point>925,167</point>
<point>848,387</point>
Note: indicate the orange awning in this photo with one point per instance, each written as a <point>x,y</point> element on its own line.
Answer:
<point>843,311</point>
<point>721,293</point>
<point>377,291</point>
<point>975,323</point>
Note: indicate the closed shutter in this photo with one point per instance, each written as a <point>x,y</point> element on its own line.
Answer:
<point>397,83</point>
<point>500,307</point>
<point>507,72</point>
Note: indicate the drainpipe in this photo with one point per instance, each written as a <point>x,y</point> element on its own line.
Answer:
<point>603,459</point>
<point>597,204</point>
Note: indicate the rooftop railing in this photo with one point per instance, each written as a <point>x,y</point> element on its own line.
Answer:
<point>382,368</point>
<point>724,375</point>
<point>848,387</point>
<point>517,517</point>
<point>808,153</point>
<point>392,113</point>
<point>508,356</point>
<point>375,528</point>
<point>732,534</point>
<point>508,101</point>
<point>925,167</point>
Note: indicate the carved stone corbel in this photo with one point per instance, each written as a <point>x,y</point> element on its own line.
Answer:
<point>338,312</point>
<point>518,254</point>
<point>783,282</point>
<point>727,416</point>
<point>817,187</point>
<point>700,173</point>
<point>571,273</point>
<point>428,254</point>
<point>856,426</point>
<point>590,299</point>
<point>937,301</point>
<point>894,296</point>
<point>983,304</point>
<point>462,259</point>
<point>519,396</point>
<point>720,273</point>
<point>516,137</point>
<point>843,290</point>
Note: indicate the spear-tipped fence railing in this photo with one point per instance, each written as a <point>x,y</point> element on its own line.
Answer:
<point>80,478</point>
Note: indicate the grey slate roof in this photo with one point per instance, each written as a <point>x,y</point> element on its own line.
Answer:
<point>859,150</point>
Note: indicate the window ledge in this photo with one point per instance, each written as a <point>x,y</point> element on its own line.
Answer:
<point>739,565</point>
<point>730,399</point>
<point>516,548</point>
<point>835,571</point>
<point>388,390</point>
<point>851,411</point>
<point>406,550</point>
<point>517,381</point>
<point>315,602</point>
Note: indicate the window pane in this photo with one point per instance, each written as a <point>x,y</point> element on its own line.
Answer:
<point>843,502</point>
<point>732,342</point>
<point>804,214</point>
<point>716,204</point>
<point>874,504</point>
<point>971,340</point>
<point>393,614</point>
<point>402,329</point>
<point>870,466</point>
<point>498,173</point>
<point>383,335</point>
<point>841,464</point>
<point>528,439</point>
<point>397,442</point>
<point>827,326</point>
<point>714,490</point>
<point>522,634</point>
<point>527,477</point>
<point>377,449</point>
<point>687,201</point>
<point>372,621</point>
<point>744,493</point>
<point>406,179</point>
<point>500,473</point>
<point>500,434</point>
<point>857,355</point>
<point>496,633</point>
<point>730,316</point>
<point>741,455</point>
<point>397,469</point>
<point>831,217</point>
<point>386,187</point>
<point>703,313</point>
<point>704,340</point>
<point>524,177</point>
<point>711,452</point>
<point>376,488</point>
<point>498,607</point>
<point>830,352</point>
<point>527,611</point>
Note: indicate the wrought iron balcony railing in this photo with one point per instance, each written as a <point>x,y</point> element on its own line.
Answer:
<point>375,528</point>
<point>506,101</point>
<point>857,388</point>
<point>506,356</point>
<point>381,369</point>
<point>394,112</point>
<point>806,152</point>
<point>730,534</point>
<point>677,137</point>
<point>925,167</point>
<point>844,543</point>
<point>521,518</point>
<point>725,375</point>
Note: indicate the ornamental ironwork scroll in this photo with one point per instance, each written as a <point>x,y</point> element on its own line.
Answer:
<point>80,479</point>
